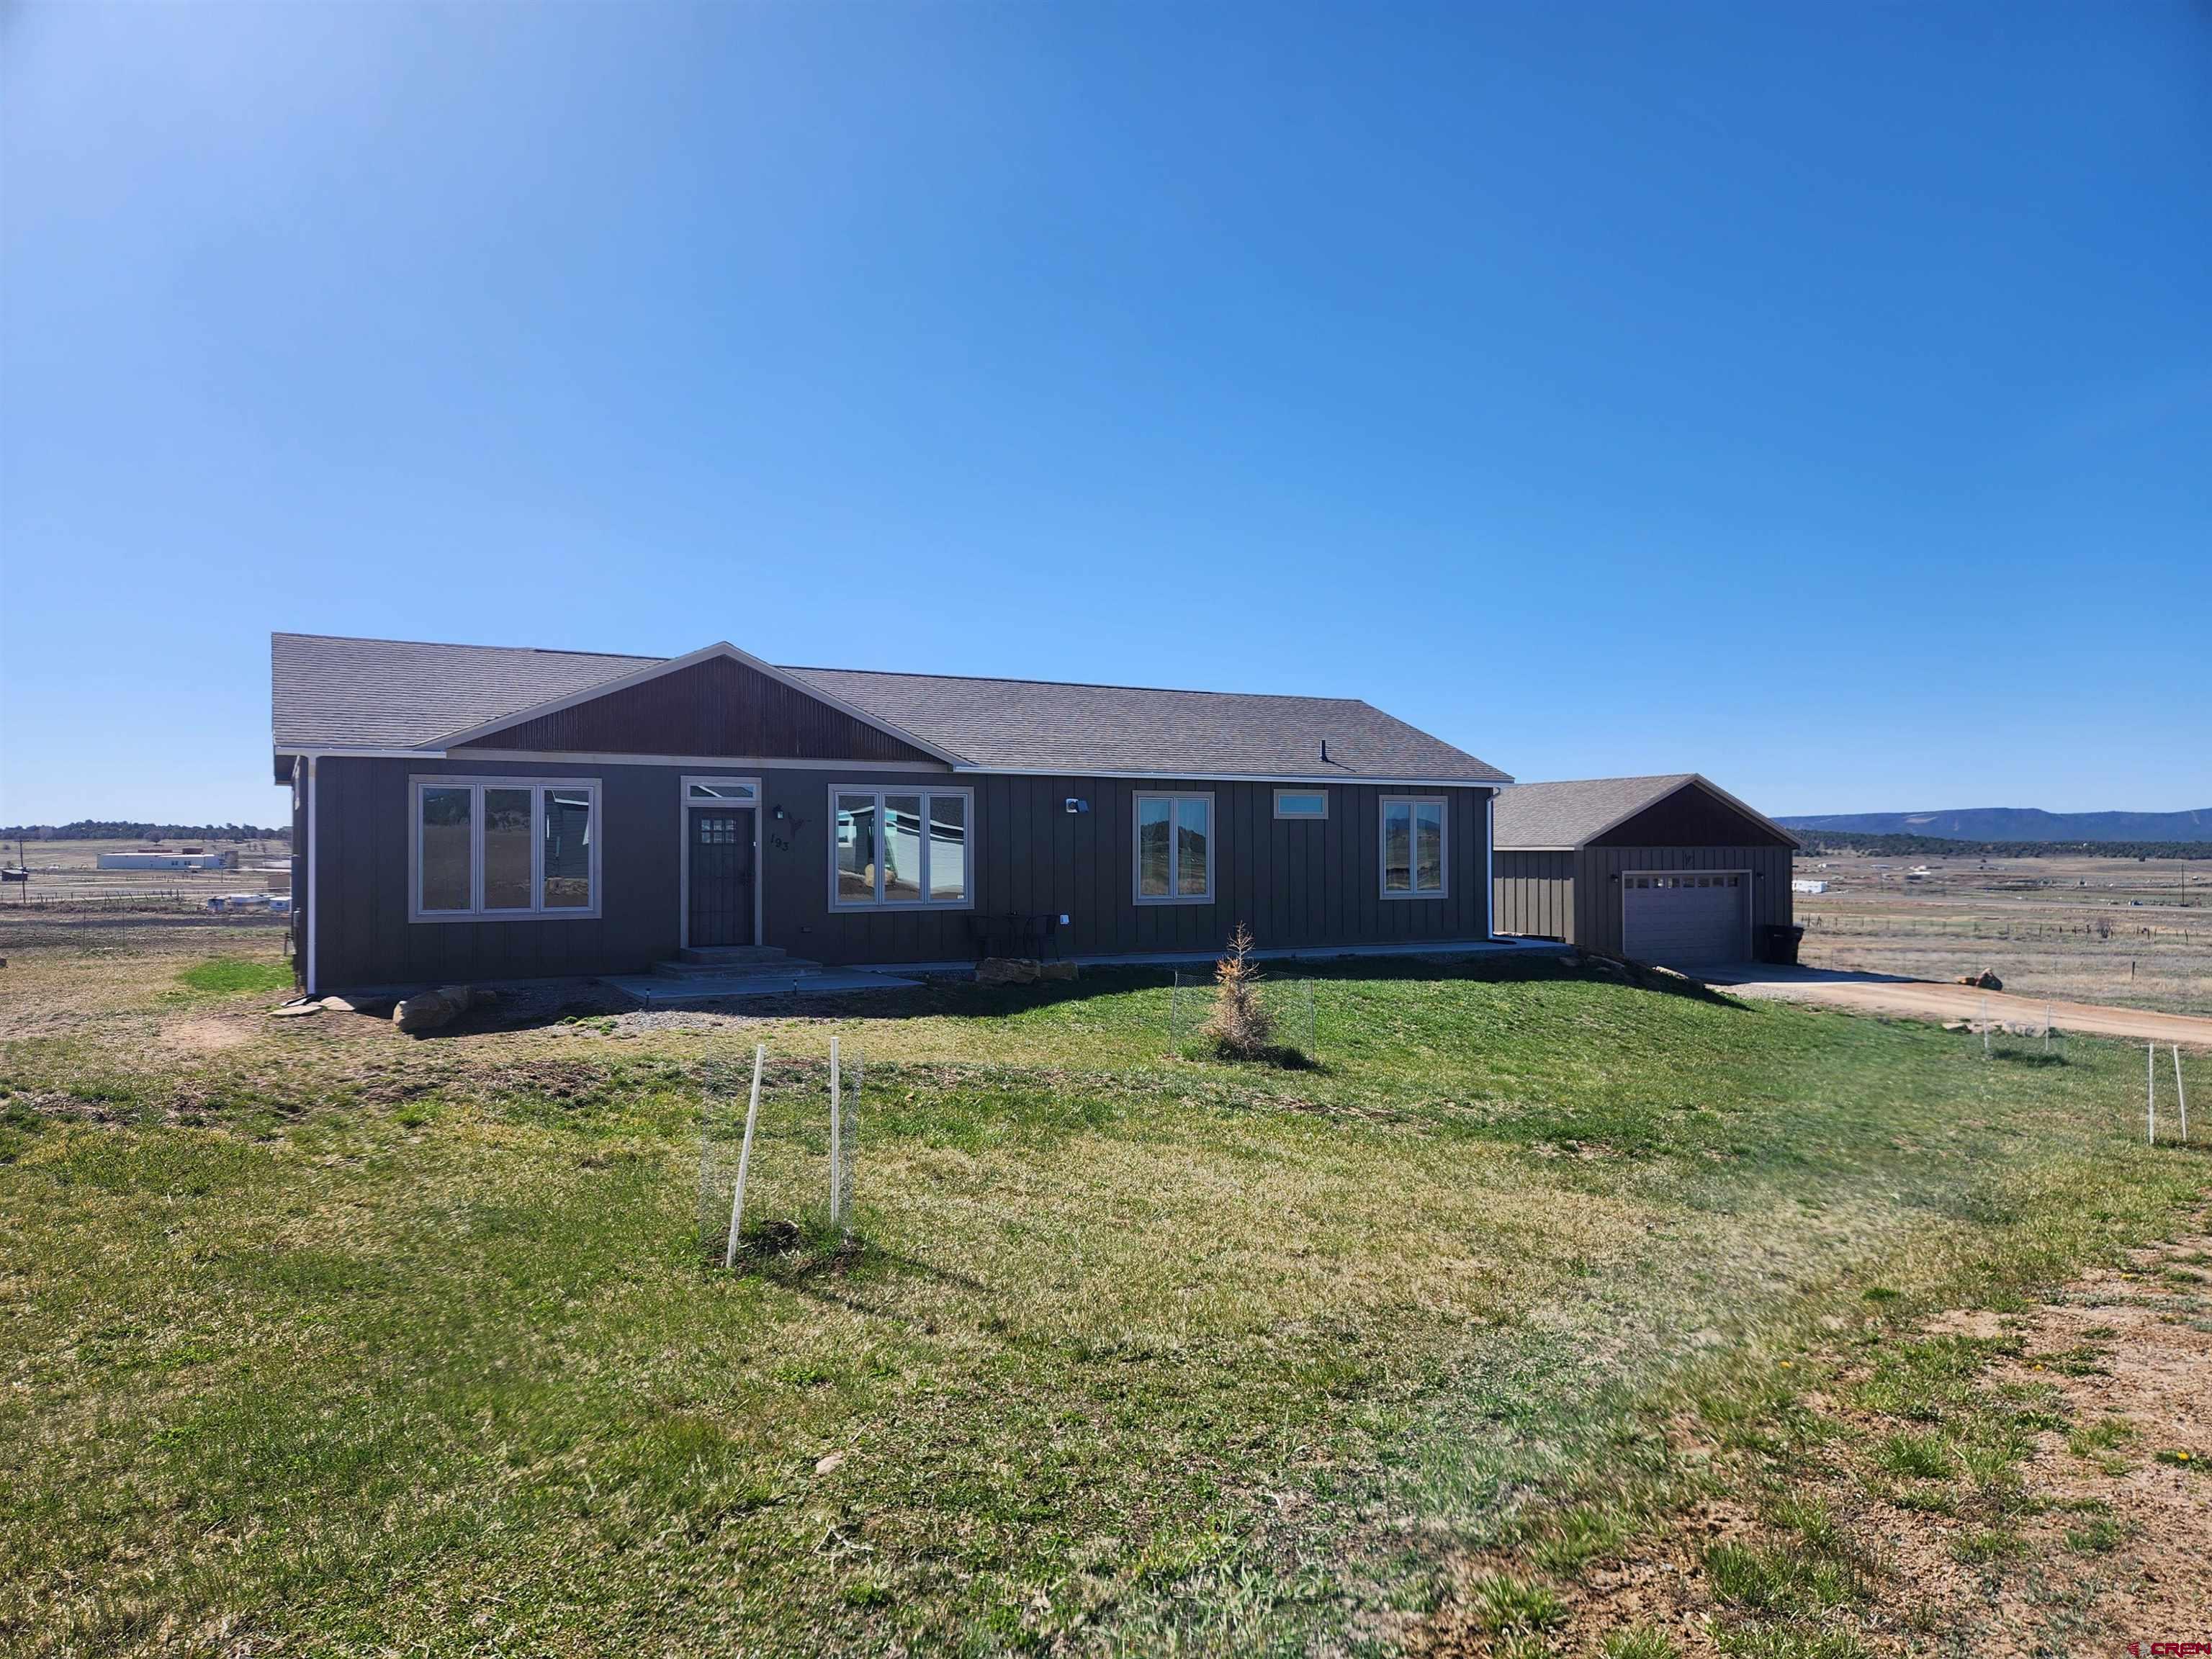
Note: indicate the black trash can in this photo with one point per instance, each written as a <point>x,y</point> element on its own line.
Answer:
<point>1777,944</point>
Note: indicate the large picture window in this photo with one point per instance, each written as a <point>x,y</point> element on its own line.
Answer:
<point>1174,849</point>
<point>1413,854</point>
<point>508,849</point>
<point>900,848</point>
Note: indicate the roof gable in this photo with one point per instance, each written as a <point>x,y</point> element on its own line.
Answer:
<point>1548,817</point>
<point>715,701</point>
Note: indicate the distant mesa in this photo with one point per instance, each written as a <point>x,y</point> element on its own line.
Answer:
<point>2016,823</point>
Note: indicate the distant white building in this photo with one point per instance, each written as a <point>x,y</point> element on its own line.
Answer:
<point>1800,884</point>
<point>163,858</point>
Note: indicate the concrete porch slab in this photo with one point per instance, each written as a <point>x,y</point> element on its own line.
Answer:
<point>655,991</point>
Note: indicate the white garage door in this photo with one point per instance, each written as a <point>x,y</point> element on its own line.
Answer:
<point>1685,921</point>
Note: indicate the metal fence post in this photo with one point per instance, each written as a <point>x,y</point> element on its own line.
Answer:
<point>745,1157</point>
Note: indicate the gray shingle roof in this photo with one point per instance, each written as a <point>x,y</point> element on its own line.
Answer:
<point>1051,725</point>
<point>348,693</point>
<point>330,693</point>
<point>1533,815</point>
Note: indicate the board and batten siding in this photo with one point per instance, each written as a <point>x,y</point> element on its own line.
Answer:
<point>717,706</point>
<point>1597,894</point>
<point>1574,896</point>
<point>1536,894</point>
<point>1298,885</point>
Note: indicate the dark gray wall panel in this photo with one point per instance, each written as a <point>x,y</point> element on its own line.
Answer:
<point>1299,885</point>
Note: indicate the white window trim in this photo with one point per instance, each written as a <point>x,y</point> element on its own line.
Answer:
<point>537,911</point>
<point>1302,817</point>
<point>684,804</point>
<point>879,903</point>
<point>1175,844</point>
<point>1413,854</point>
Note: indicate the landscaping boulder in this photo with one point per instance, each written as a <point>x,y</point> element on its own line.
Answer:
<point>442,1006</point>
<point>1008,970</point>
<point>1057,970</point>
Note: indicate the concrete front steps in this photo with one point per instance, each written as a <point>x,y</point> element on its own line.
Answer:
<point>727,961</point>
<point>746,970</point>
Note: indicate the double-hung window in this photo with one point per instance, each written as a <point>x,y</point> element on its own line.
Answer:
<point>504,849</point>
<point>900,848</point>
<point>1174,849</point>
<point>1413,853</point>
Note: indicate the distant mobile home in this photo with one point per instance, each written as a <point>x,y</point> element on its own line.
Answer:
<point>467,812</point>
<point>159,858</point>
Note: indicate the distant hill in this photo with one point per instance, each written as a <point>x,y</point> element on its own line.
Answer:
<point>130,829</point>
<point>2016,823</point>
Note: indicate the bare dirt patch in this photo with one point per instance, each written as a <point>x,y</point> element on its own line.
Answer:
<point>211,1035</point>
<point>2086,1532</point>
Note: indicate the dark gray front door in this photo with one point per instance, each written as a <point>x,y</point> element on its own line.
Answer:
<point>720,851</point>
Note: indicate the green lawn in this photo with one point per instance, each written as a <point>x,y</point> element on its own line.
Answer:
<point>348,1345</point>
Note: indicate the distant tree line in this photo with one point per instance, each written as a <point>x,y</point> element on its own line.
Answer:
<point>118,829</point>
<point>1839,843</point>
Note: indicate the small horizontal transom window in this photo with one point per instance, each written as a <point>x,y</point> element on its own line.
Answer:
<point>1301,803</point>
<point>728,789</point>
<point>510,849</point>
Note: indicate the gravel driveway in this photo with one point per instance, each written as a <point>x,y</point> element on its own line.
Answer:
<point>1912,999</point>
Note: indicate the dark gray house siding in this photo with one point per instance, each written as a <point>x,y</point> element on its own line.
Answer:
<point>1597,893</point>
<point>713,708</point>
<point>1298,884</point>
<point>1536,894</point>
<point>1575,894</point>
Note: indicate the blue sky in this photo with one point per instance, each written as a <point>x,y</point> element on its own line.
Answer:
<point>1817,396</point>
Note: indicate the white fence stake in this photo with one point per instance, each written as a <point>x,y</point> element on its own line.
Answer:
<point>2150,1093</point>
<point>836,1208</point>
<point>2181,1094</point>
<point>745,1157</point>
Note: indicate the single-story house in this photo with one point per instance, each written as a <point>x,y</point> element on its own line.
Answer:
<point>470,813</point>
<point>1672,870</point>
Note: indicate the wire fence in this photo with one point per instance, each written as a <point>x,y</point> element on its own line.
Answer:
<point>799,1169</point>
<point>1968,929</point>
<point>1288,1003</point>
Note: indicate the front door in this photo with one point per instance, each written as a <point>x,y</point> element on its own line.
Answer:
<point>721,852</point>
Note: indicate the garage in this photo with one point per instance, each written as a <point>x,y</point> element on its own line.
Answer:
<point>1671,869</point>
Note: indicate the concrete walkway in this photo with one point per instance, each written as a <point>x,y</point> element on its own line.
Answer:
<point>1915,999</point>
<point>656,991</point>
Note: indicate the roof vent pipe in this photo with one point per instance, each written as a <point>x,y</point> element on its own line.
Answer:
<point>1324,751</point>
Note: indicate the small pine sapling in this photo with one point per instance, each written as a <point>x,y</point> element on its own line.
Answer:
<point>1239,1025</point>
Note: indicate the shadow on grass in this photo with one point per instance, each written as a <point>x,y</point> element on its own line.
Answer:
<point>948,996</point>
<point>530,1004</point>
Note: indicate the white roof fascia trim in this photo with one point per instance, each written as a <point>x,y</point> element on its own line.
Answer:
<point>689,660</point>
<point>591,757</point>
<point>323,750</point>
<point>1231,777</point>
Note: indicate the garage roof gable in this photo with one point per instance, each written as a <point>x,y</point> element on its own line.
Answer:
<point>1567,816</point>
